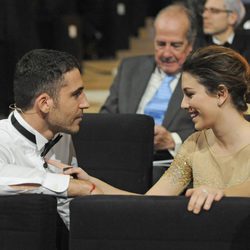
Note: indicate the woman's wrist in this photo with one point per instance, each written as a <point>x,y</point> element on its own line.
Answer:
<point>93,186</point>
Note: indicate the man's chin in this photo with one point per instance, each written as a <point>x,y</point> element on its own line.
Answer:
<point>72,130</point>
<point>208,32</point>
<point>170,69</point>
<point>75,129</point>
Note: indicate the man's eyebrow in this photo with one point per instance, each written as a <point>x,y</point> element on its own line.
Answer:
<point>178,42</point>
<point>77,91</point>
<point>171,43</point>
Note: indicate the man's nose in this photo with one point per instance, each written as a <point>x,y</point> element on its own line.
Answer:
<point>167,50</point>
<point>84,104</point>
<point>205,13</point>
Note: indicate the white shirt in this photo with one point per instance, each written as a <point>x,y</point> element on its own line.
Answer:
<point>153,85</point>
<point>20,163</point>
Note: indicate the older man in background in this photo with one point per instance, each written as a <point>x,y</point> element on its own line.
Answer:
<point>150,84</point>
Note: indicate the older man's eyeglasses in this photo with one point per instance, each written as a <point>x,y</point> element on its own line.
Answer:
<point>214,11</point>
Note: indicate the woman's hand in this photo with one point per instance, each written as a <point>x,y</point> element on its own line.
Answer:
<point>80,178</point>
<point>203,197</point>
<point>77,172</point>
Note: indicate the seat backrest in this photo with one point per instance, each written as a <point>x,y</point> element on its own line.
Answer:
<point>28,222</point>
<point>157,222</point>
<point>117,148</point>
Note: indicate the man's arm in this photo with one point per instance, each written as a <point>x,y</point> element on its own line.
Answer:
<point>75,188</point>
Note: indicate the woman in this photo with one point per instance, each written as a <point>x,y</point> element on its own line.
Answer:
<point>215,83</point>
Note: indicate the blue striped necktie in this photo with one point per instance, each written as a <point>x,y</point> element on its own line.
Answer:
<point>158,105</point>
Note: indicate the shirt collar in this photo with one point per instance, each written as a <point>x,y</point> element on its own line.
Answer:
<point>229,40</point>
<point>40,139</point>
<point>162,74</point>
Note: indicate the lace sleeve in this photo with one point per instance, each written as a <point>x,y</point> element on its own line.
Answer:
<point>180,172</point>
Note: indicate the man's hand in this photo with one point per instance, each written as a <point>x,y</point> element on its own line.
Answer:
<point>203,197</point>
<point>163,139</point>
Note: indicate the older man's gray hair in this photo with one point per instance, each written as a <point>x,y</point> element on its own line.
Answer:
<point>238,7</point>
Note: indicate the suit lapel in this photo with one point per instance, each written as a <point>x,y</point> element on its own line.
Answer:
<point>140,82</point>
<point>174,105</point>
<point>238,43</point>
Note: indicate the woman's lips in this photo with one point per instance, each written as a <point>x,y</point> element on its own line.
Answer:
<point>194,114</point>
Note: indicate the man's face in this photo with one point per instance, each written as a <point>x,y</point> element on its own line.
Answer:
<point>171,43</point>
<point>67,111</point>
<point>216,19</point>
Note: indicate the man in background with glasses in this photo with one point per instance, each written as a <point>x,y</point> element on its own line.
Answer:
<point>221,20</point>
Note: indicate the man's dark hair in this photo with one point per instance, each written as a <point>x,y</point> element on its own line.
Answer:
<point>41,71</point>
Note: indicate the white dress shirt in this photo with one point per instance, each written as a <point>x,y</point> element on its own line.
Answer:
<point>153,85</point>
<point>20,163</point>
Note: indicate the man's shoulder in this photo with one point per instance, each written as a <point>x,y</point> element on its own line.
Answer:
<point>6,131</point>
<point>242,35</point>
<point>139,59</point>
<point>242,32</point>
<point>4,125</point>
<point>138,64</point>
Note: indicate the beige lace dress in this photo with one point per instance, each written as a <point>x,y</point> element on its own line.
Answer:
<point>198,163</point>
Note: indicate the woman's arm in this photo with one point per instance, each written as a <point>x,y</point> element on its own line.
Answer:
<point>174,180</point>
<point>79,173</point>
<point>108,189</point>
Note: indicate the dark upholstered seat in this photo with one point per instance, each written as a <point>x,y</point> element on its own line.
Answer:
<point>117,149</point>
<point>157,222</point>
<point>28,222</point>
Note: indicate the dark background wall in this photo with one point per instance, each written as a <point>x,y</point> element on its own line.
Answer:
<point>89,29</point>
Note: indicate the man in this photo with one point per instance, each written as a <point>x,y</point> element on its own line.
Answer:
<point>49,99</point>
<point>221,19</point>
<point>139,80</point>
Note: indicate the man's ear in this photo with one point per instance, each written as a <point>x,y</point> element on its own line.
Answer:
<point>222,94</point>
<point>44,103</point>
<point>232,18</point>
<point>190,48</point>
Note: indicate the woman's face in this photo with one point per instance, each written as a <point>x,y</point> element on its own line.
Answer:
<point>201,105</point>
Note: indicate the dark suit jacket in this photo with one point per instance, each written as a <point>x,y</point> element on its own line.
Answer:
<point>241,43</point>
<point>129,86</point>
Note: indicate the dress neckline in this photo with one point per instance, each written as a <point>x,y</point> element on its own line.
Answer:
<point>230,155</point>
